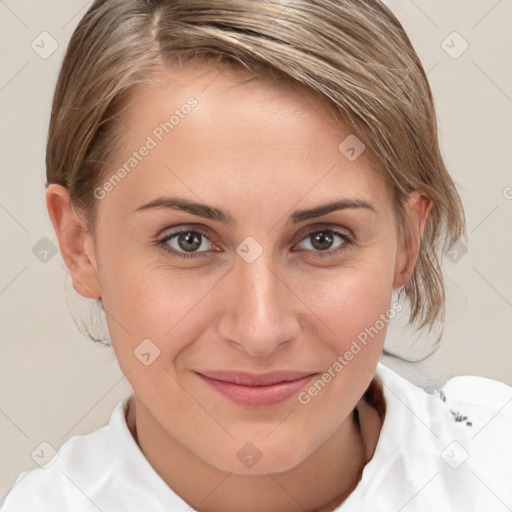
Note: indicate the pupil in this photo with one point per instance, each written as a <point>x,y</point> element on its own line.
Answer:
<point>322,240</point>
<point>189,241</point>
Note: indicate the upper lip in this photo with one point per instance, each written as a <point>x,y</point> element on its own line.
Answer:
<point>255,379</point>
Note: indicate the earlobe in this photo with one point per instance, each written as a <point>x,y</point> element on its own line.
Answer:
<point>75,243</point>
<point>418,209</point>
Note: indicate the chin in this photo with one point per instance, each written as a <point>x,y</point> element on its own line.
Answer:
<point>258,458</point>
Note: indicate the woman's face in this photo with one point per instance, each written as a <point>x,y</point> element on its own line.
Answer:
<point>270,280</point>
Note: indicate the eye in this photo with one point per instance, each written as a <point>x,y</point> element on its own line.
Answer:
<point>326,242</point>
<point>187,243</point>
<point>194,243</point>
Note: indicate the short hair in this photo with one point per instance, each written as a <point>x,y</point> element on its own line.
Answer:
<point>354,54</point>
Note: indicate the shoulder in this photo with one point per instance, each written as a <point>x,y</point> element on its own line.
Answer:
<point>103,470</point>
<point>479,395</point>
<point>467,409</point>
<point>59,482</point>
<point>447,450</point>
<point>470,400</point>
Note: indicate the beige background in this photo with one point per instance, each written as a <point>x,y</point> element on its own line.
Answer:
<point>55,383</point>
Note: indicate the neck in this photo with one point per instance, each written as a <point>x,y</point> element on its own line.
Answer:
<point>319,483</point>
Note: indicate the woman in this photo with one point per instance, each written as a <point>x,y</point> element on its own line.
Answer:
<point>246,187</point>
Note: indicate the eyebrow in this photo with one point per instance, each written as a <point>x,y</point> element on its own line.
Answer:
<point>222,215</point>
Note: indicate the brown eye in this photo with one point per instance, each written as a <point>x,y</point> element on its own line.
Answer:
<point>322,240</point>
<point>326,241</point>
<point>187,243</point>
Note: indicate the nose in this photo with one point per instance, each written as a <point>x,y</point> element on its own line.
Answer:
<point>260,312</point>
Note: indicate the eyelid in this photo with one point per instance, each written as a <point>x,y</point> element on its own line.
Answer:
<point>345,234</point>
<point>309,230</point>
<point>347,242</point>
<point>169,233</point>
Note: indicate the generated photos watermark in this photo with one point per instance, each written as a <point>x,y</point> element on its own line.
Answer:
<point>343,360</point>
<point>152,141</point>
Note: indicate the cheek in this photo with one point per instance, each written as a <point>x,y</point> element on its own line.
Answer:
<point>355,303</point>
<point>150,324</point>
<point>145,299</point>
<point>353,297</point>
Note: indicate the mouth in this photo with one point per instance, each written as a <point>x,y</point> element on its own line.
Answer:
<point>257,390</point>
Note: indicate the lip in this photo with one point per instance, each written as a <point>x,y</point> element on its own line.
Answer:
<point>256,390</point>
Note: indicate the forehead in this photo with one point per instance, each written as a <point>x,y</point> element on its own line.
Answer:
<point>205,126</point>
<point>225,96</point>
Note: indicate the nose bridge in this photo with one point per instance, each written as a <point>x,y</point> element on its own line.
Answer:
<point>259,315</point>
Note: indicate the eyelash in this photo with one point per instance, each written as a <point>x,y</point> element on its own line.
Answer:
<point>347,240</point>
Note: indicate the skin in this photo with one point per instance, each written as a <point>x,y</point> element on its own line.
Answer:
<point>260,150</point>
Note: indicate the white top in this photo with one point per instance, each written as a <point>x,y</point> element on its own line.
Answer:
<point>447,451</point>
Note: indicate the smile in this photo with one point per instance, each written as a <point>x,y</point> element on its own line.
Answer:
<point>253,390</point>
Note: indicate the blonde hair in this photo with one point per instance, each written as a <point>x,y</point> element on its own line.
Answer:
<point>354,54</point>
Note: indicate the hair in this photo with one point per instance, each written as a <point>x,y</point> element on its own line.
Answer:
<point>354,54</point>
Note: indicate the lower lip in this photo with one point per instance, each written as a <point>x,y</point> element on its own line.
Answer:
<point>258,396</point>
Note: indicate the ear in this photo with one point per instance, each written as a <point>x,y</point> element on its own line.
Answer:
<point>417,211</point>
<point>76,244</point>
